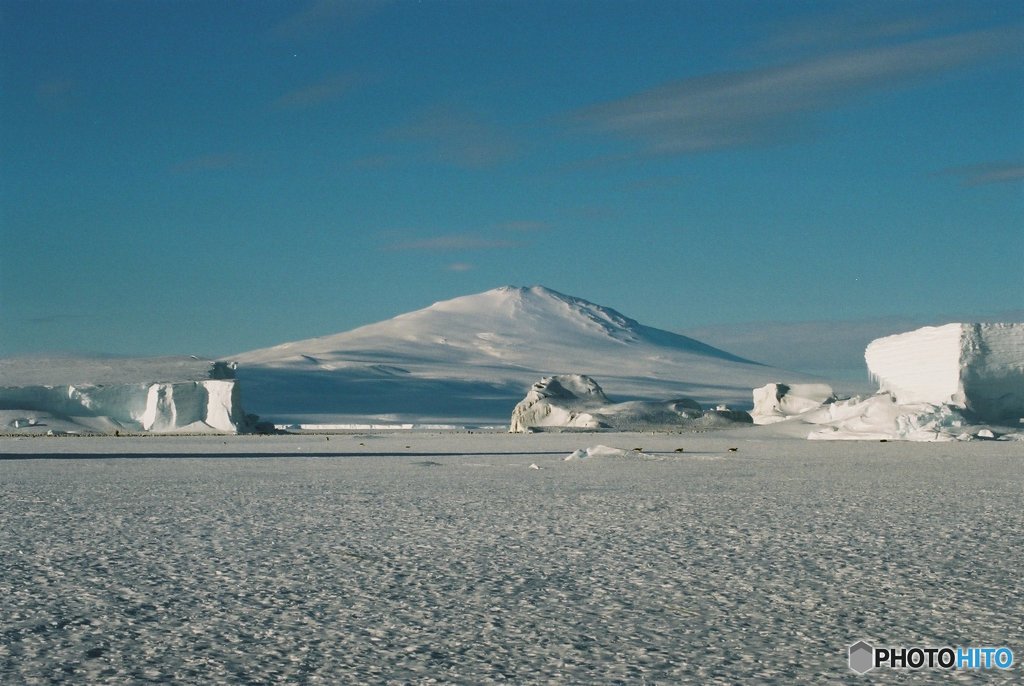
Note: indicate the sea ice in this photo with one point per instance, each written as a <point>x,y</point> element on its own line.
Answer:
<point>440,557</point>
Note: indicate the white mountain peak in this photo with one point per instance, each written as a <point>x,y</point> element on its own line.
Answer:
<point>519,306</point>
<point>527,325</point>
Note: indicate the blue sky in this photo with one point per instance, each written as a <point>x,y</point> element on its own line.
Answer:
<point>212,177</point>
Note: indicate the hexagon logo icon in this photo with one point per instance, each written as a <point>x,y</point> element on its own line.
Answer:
<point>862,657</point>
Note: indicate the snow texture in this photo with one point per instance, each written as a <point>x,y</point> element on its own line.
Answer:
<point>560,401</point>
<point>596,451</point>
<point>444,558</point>
<point>574,401</point>
<point>881,417</point>
<point>977,367</point>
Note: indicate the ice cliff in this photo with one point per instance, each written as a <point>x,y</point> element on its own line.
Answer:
<point>193,406</point>
<point>575,401</point>
<point>977,367</point>
<point>939,383</point>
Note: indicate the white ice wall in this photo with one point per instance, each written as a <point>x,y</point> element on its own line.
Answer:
<point>921,366</point>
<point>192,406</point>
<point>993,370</point>
<point>223,406</point>
<point>975,366</point>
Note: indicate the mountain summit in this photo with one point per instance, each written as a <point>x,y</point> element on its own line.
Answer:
<point>471,359</point>
<point>507,323</point>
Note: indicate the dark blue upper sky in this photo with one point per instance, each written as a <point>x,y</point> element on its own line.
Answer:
<point>211,177</point>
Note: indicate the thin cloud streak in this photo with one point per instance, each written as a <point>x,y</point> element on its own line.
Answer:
<point>211,162</point>
<point>454,242</point>
<point>459,138</point>
<point>321,17</point>
<point>759,105</point>
<point>523,226</point>
<point>988,173</point>
<point>852,26</point>
<point>316,94</point>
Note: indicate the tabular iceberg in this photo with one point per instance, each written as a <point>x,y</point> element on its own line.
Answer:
<point>977,367</point>
<point>189,406</point>
<point>935,384</point>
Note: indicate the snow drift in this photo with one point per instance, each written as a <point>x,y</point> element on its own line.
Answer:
<point>598,451</point>
<point>574,401</point>
<point>977,367</point>
<point>882,417</point>
<point>776,402</point>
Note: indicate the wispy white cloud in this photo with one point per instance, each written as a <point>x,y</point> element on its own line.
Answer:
<point>655,183</point>
<point>383,161</point>
<point>460,267</point>
<point>501,236</point>
<point>851,26</point>
<point>209,162</point>
<point>317,93</point>
<point>758,106</point>
<point>522,226</point>
<point>988,173</point>
<point>455,241</point>
<point>454,136</point>
<point>50,319</point>
<point>319,17</point>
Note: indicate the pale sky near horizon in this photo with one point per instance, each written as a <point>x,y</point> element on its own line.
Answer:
<point>212,177</point>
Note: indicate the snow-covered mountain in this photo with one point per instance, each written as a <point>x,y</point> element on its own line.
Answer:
<point>471,359</point>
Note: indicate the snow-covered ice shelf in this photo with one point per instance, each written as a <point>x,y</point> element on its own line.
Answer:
<point>398,558</point>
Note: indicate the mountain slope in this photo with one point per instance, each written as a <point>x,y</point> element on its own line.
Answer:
<point>471,359</point>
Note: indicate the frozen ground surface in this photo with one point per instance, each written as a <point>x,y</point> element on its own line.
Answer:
<point>431,557</point>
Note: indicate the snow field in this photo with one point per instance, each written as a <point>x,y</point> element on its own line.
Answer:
<point>419,558</point>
